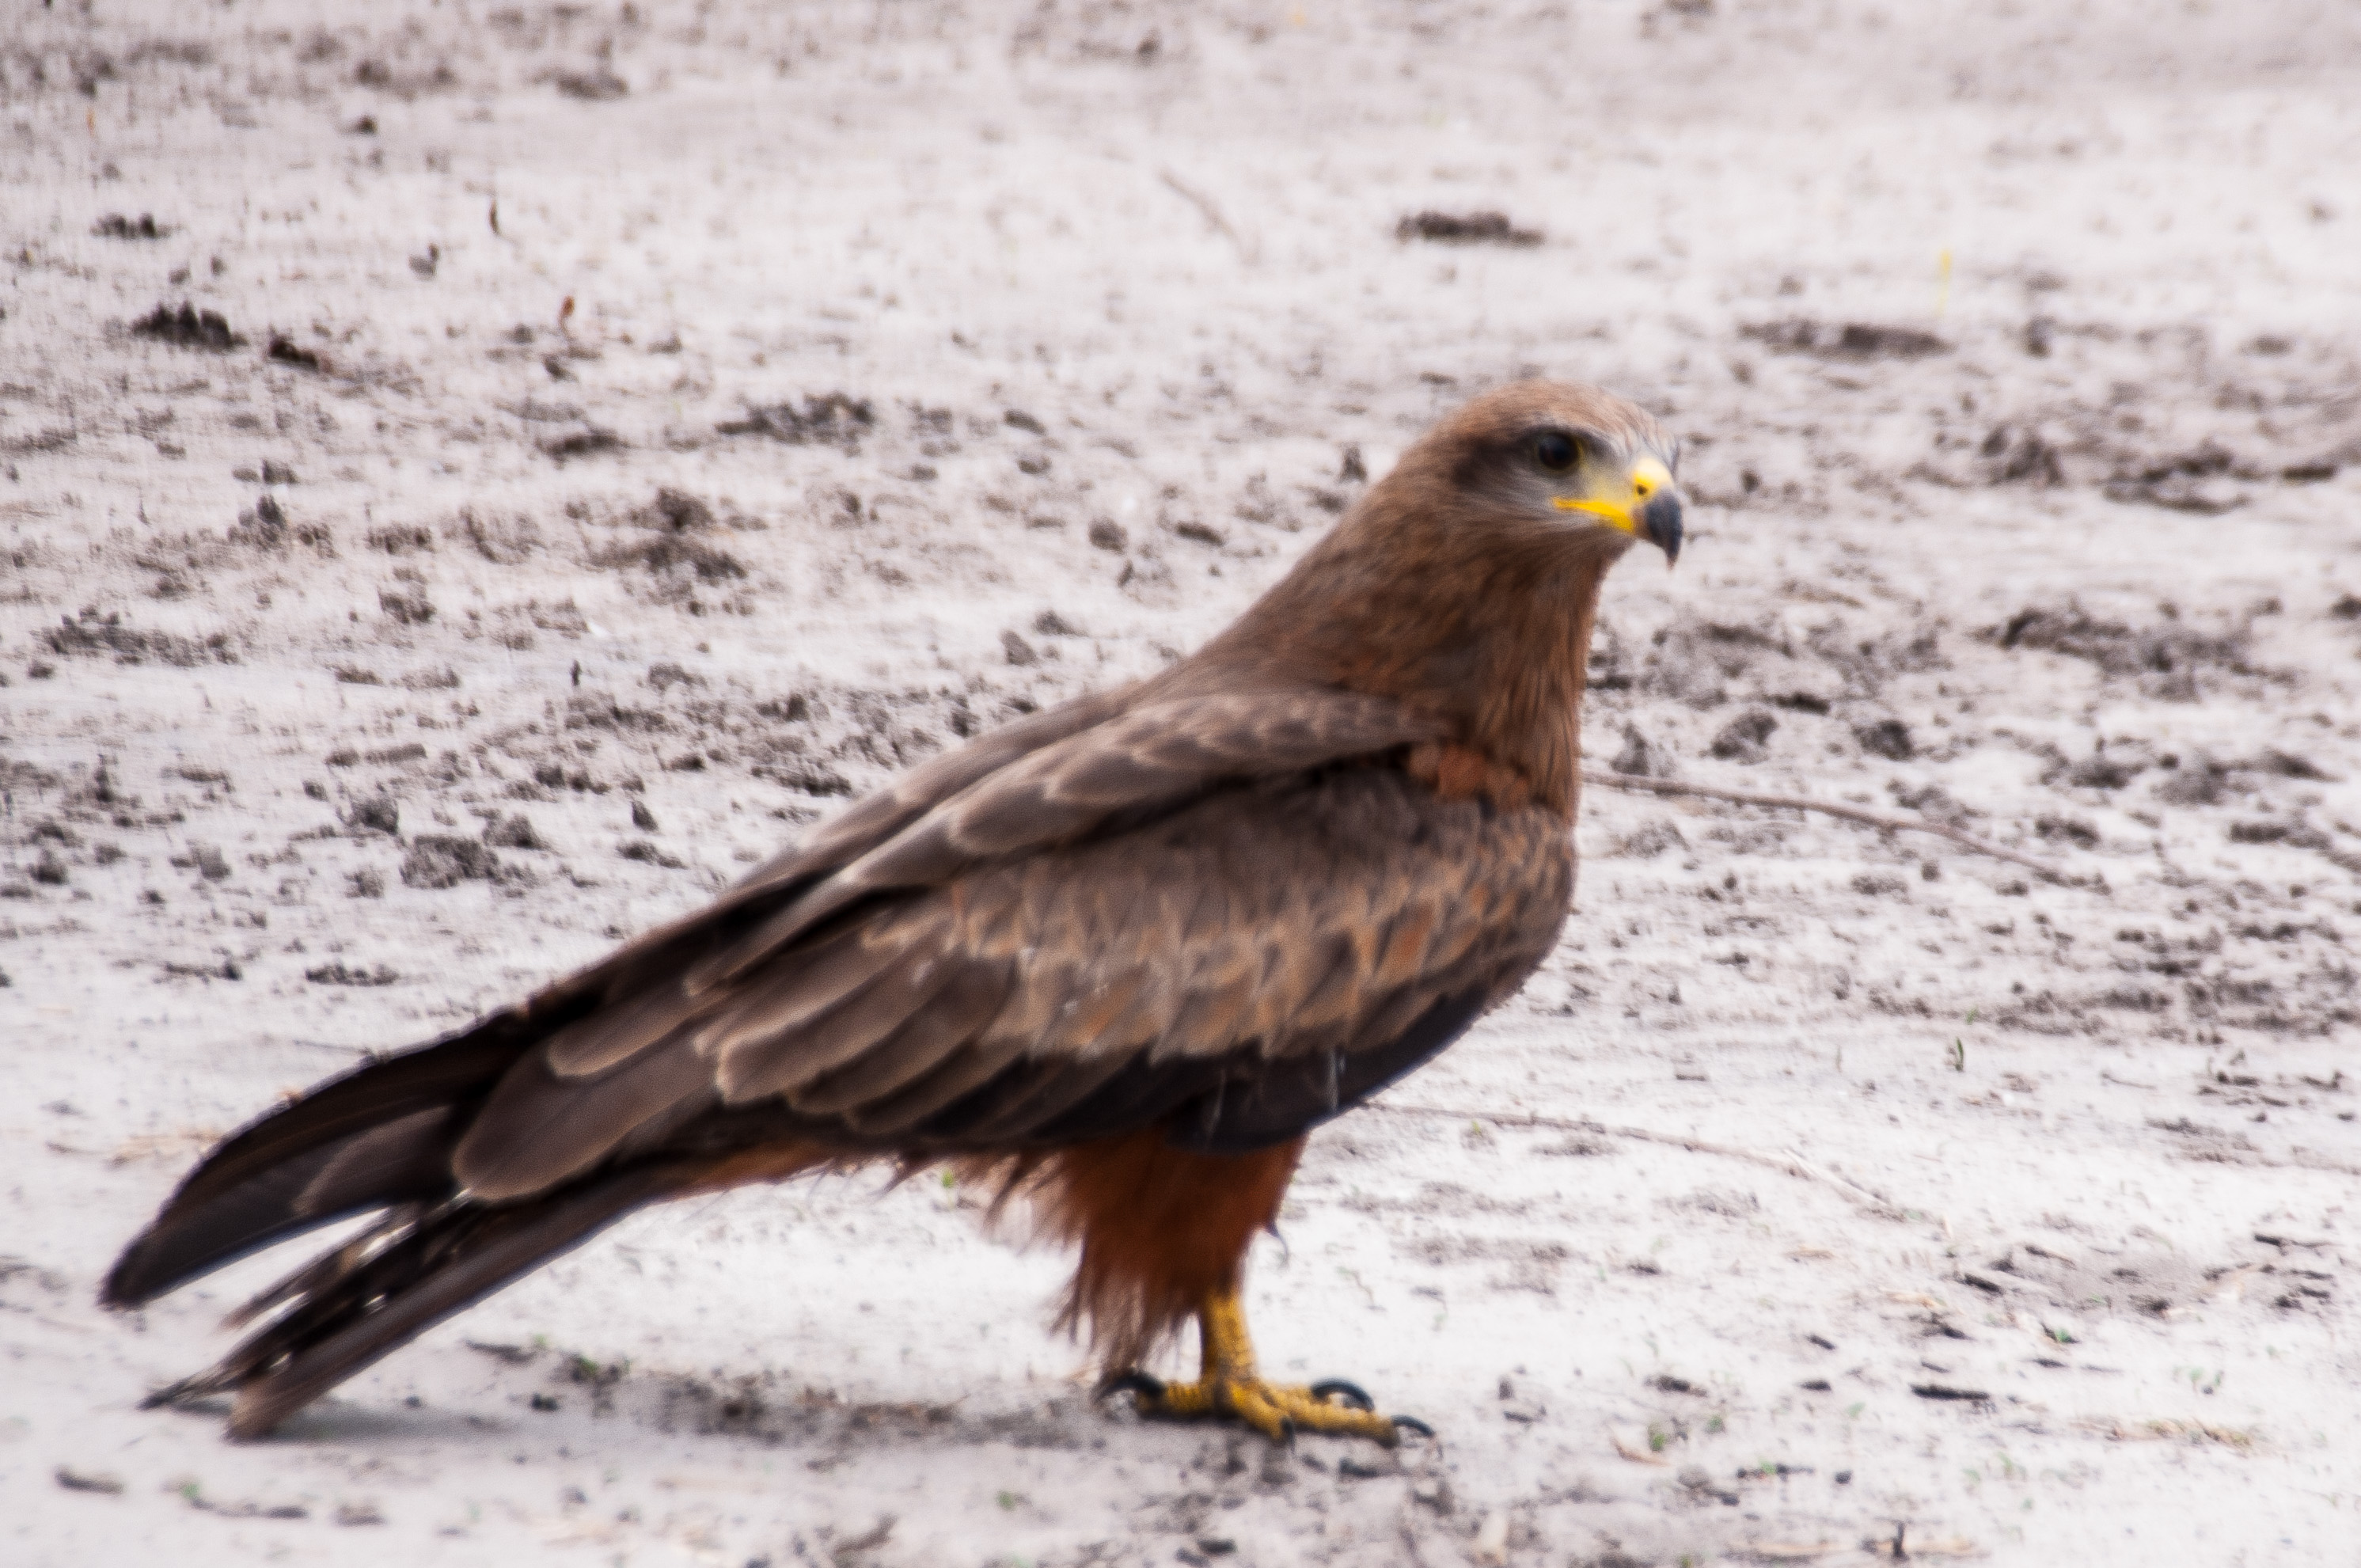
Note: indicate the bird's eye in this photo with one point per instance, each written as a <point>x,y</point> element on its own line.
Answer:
<point>1554,450</point>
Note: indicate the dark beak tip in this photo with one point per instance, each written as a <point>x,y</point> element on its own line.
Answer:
<point>1661,519</point>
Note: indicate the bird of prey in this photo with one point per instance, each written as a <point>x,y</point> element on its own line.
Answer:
<point>1120,956</point>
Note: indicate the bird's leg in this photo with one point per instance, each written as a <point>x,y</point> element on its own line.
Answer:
<point>1228,1385</point>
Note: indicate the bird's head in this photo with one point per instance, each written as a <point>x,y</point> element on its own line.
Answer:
<point>1564,456</point>
<point>1466,583</point>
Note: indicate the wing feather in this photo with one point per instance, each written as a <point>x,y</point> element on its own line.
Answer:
<point>1407,937</point>
<point>777,1003</point>
<point>1148,759</point>
<point>943,1084</point>
<point>880,815</point>
<point>538,1129</point>
<point>783,1061</point>
<point>947,1023</point>
<point>608,1037</point>
<point>1210,1020</point>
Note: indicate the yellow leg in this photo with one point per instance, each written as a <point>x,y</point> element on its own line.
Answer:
<point>1228,1385</point>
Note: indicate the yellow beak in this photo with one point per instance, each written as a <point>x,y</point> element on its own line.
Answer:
<point>1647,506</point>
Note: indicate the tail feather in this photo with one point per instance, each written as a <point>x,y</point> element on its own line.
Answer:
<point>381,1133</point>
<point>404,1161</point>
<point>382,1289</point>
<point>385,1138</point>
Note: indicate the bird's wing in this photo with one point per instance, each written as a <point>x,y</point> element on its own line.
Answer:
<point>1053,775</point>
<point>393,1129</point>
<point>878,816</point>
<point>1245,968</point>
<point>1196,905</point>
<point>853,832</point>
<point>1144,761</point>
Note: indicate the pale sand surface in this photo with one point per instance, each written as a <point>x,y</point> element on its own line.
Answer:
<point>2076,577</point>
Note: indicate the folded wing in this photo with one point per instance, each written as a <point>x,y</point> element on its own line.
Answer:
<point>1233,911</point>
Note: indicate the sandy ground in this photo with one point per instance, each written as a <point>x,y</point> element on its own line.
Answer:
<point>626,431</point>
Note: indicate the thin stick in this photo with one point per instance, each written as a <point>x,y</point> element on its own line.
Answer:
<point>1789,1161</point>
<point>1210,212</point>
<point>1849,813</point>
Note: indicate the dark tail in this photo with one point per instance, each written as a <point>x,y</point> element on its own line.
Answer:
<point>378,1137</point>
<point>394,1281</point>
<point>382,1137</point>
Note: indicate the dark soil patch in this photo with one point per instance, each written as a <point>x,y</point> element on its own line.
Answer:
<point>1852,340</point>
<point>676,511</point>
<point>401,539</point>
<point>675,555</point>
<point>600,86</point>
<point>407,607</point>
<point>2201,481</point>
<point>2118,649</point>
<point>88,635</point>
<point>115,226</point>
<point>513,832</point>
<point>287,351</point>
<point>1741,739</point>
<point>341,973</point>
<point>1465,228</point>
<point>583,443</point>
<point>643,850</point>
<point>188,328</point>
<point>830,418</point>
<point>437,860</point>
<point>1888,738</point>
<point>2015,457</point>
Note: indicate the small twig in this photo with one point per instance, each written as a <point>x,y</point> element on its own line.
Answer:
<point>1211,214</point>
<point>1891,823</point>
<point>1789,1161</point>
<point>1409,1543</point>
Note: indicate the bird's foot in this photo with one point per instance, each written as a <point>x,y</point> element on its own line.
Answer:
<point>1277,1410</point>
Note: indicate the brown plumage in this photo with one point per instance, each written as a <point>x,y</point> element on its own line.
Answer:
<point>1120,956</point>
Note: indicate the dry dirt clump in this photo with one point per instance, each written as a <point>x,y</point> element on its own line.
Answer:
<point>115,226</point>
<point>671,556</point>
<point>437,860</point>
<point>2122,649</point>
<point>285,350</point>
<point>90,635</point>
<point>188,328</point>
<point>826,419</point>
<point>1849,340</point>
<point>1465,228</point>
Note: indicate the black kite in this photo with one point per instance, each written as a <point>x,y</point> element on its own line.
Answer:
<point>1121,955</point>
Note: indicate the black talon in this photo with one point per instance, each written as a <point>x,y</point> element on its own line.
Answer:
<point>1411,1423</point>
<point>1134,1382</point>
<point>1351,1393</point>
